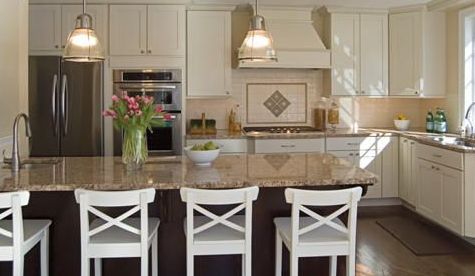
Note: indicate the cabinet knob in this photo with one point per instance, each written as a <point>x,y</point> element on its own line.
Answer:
<point>416,92</point>
<point>149,51</point>
<point>227,93</point>
<point>142,51</point>
<point>63,46</point>
<point>357,154</point>
<point>362,92</point>
<point>56,46</point>
<point>351,154</point>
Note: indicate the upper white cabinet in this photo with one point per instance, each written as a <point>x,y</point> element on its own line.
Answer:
<point>209,53</point>
<point>50,25</point>
<point>147,30</point>
<point>45,28</point>
<point>359,44</point>
<point>417,54</point>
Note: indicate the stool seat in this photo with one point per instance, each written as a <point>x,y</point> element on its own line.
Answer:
<point>32,229</point>
<point>323,234</point>
<point>218,233</point>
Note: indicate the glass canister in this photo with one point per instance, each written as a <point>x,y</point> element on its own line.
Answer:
<point>320,115</point>
<point>334,114</point>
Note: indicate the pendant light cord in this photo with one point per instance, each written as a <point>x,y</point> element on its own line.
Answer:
<point>256,7</point>
<point>83,6</point>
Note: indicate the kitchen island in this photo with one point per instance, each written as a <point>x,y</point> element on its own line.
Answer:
<point>52,181</point>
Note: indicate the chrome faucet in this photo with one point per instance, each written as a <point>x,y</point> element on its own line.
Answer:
<point>470,134</point>
<point>14,161</point>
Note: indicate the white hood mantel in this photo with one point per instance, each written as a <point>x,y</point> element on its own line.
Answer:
<point>296,42</point>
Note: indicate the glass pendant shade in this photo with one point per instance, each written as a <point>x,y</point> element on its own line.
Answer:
<point>258,45</point>
<point>83,45</point>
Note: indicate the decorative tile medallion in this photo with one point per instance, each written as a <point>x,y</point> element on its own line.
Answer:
<point>277,103</point>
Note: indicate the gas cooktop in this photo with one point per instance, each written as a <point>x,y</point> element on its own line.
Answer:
<point>281,129</point>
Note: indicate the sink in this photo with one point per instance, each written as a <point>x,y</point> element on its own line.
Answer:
<point>455,141</point>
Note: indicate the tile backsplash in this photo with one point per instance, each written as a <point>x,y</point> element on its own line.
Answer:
<point>253,87</point>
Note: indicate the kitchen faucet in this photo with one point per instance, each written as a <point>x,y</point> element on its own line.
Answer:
<point>14,161</point>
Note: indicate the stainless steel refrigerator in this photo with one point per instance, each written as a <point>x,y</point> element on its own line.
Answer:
<point>65,107</point>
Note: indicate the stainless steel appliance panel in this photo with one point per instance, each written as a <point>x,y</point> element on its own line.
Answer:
<point>43,95</point>
<point>80,105</point>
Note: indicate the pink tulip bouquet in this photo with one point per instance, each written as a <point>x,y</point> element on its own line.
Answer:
<point>134,115</point>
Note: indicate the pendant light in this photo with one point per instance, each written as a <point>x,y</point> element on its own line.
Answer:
<point>258,45</point>
<point>83,45</point>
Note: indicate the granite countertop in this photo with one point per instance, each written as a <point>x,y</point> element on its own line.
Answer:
<point>221,134</point>
<point>228,171</point>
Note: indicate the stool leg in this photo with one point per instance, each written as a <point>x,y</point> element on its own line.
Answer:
<point>333,262</point>
<point>189,263</point>
<point>155,256</point>
<point>247,264</point>
<point>85,262</point>
<point>350,264</point>
<point>18,264</point>
<point>97,267</point>
<point>278,254</point>
<point>294,264</point>
<point>44,244</point>
<point>144,264</point>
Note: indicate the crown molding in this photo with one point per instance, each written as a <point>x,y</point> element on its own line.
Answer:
<point>440,5</point>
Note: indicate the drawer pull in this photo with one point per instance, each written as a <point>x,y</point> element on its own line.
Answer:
<point>287,146</point>
<point>353,144</point>
<point>437,155</point>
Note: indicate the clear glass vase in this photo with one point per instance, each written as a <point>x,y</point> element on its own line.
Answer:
<point>134,148</point>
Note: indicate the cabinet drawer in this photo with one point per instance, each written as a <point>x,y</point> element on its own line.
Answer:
<point>351,143</point>
<point>289,145</point>
<point>226,145</point>
<point>442,156</point>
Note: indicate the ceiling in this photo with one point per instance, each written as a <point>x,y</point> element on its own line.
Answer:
<point>344,3</point>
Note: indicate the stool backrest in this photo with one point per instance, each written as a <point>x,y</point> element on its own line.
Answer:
<point>196,197</point>
<point>346,198</point>
<point>88,200</point>
<point>13,202</point>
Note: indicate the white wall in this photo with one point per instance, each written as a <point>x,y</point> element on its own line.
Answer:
<point>13,64</point>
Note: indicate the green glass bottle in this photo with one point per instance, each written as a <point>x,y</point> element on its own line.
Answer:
<point>443,122</point>
<point>437,121</point>
<point>430,121</point>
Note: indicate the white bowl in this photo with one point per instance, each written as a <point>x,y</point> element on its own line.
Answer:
<point>201,157</point>
<point>402,124</point>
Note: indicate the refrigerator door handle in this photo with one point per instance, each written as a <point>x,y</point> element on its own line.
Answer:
<point>53,104</point>
<point>64,101</point>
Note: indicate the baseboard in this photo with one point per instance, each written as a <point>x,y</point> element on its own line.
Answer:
<point>380,201</point>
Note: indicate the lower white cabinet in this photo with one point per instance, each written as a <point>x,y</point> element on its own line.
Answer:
<point>368,160</point>
<point>407,170</point>
<point>286,145</point>
<point>226,145</point>
<point>440,178</point>
<point>441,194</point>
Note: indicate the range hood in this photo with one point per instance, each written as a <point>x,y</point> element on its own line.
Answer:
<point>296,42</point>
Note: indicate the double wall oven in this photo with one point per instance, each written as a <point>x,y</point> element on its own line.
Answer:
<point>165,87</point>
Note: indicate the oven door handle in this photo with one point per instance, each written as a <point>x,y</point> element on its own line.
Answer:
<point>173,117</point>
<point>142,87</point>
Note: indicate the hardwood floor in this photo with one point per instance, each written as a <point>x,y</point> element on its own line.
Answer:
<point>379,253</point>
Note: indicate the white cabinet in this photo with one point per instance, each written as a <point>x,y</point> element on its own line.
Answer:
<point>407,171</point>
<point>361,152</point>
<point>417,54</point>
<point>441,186</point>
<point>209,53</point>
<point>286,145</point>
<point>441,194</point>
<point>225,145</point>
<point>359,44</point>
<point>44,28</point>
<point>50,25</point>
<point>388,149</point>
<point>147,30</point>
<point>166,30</point>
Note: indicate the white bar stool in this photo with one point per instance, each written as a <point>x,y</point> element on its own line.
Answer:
<point>119,237</point>
<point>315,235</point>
<point>211,234</point>
<point>18,236</point>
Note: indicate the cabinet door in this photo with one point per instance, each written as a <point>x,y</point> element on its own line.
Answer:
<point>412,172</point>
<point>369,160</point>
<point>403,173</point>
<point>429,195</point>
<point>388,148</point>
<point>405,53</point>
<point>166,30</point>
<point>209,53</point>
<point>99,21</point>
<point>44,27</point>
<point>374,55</point>
<point>452,198</point>
<point>345,54</point>
<point>128,29</point>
